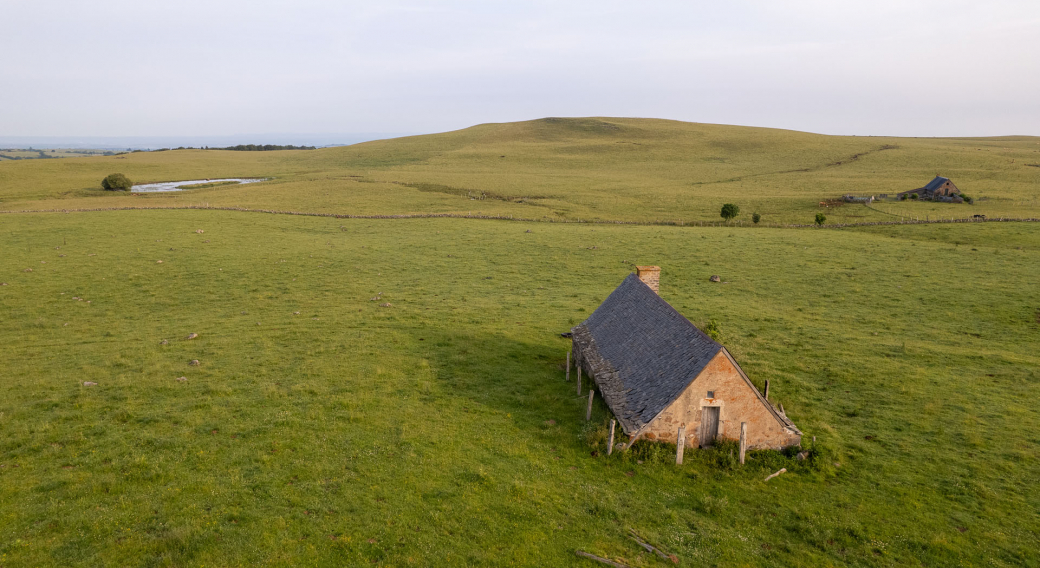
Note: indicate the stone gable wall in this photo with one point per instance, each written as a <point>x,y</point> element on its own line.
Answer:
<point>737,403</point>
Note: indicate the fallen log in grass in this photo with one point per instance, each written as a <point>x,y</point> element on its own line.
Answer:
<point>601,559</point>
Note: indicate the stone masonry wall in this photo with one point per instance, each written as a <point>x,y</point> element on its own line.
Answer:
<point>737,403</point>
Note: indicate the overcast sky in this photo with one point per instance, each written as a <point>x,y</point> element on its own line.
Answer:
<point>222,67</point>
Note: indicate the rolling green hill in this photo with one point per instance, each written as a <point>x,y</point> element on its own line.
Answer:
<point>568,169</point>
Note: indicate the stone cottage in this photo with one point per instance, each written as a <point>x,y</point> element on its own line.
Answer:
<point>939,189</point>
<point>656,371</point>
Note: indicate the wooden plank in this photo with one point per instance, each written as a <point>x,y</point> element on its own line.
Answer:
<point>610,446</point>
<point>766,394</point>
<point>601,559</point>
<point>709,425</point>
<point>588,410</point>
<point>651,548</point>
<point>568,366</point>
<point>782,470</point>
<point>680,444</point>
<point>743,441</point>
<point>579,379</point>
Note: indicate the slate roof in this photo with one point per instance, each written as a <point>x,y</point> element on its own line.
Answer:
<point>642,352</point>
<point>936,183</point>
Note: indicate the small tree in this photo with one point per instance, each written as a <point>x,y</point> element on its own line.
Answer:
<point>913,196</point>
<point>730,211</point>
<point>821,218</point>
<point>902,197</point>
<point>117,182</point>
<point>755,218</point>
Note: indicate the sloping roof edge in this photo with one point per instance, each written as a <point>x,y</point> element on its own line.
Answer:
<point>783,420</point>
<point>605,376</point>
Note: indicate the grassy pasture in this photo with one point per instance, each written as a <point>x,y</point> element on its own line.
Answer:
<point>566,169</point>
<point>419,434</point>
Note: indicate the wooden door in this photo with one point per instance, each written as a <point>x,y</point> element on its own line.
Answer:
<point>709,425</point>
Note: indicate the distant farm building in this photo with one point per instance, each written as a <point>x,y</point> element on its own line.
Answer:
<point>939,189</point>
<point>656,371</point>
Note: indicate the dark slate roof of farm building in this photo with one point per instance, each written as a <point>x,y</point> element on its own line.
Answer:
<point>936,183</point>
<point>643,351</point>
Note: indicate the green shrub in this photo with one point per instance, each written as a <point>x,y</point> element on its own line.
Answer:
<point>821,218</point>
<point>597,436</point>
<point>914,196</point>
<point>650,452</point>
<point>713,330</point>
<point>967,199</point>
<point>117,182</point>
<point>755,218</point>
<point>730,211</point>
<point>902,197</point>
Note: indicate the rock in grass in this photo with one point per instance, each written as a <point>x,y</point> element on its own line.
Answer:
<point>192,335</point>
<point>89,384</point>
<point>194,363</point>
<point>715,278</point>
<point>802,455</point>
<point>27,270</point>
<point>386,305</point>
<point>163,342</point>
<point>199,231</point>
<point>182,379</point>
<point>296,313</point>
<point>158,262</point>
<point>3,283</point>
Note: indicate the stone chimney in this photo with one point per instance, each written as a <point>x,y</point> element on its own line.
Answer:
<point>651,276</point>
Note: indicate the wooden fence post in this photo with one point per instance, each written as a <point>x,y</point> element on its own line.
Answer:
<point>680,444</point>
<point>568,366</point>
<point>766,394</point>
<point>743,441</point>
<point>588,410</point>
<point>610,446</point>
<point>579,379</point>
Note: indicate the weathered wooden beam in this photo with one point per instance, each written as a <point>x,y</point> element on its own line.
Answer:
<point>680,444</point>
<point>771,476</point>
<point>588,410</point>
<point>601,559</point>
<point>766,394</point>
<point>568,366</point>
<point>743,441</point>
<point>651,548</point>
<point>579,379</point>
<point>610,446</point>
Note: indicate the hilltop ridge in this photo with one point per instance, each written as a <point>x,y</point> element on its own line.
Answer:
<point>594,168</point>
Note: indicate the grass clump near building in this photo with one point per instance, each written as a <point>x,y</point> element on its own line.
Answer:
<point>116,182</point>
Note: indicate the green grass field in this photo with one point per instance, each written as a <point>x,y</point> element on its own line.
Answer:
<point>323,429</point>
